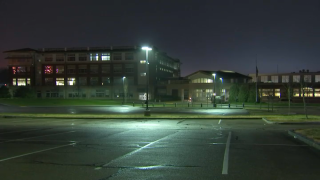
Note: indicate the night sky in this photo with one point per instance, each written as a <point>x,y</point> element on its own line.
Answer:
<point>203,34</point>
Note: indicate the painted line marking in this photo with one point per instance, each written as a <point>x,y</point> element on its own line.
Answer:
<point>219,121</point>
<point>36,137</point>
<point>135,151</point>
<point>14,157</point>
<point>226,156</point>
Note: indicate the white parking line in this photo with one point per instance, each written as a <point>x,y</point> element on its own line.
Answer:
<point>226,156</point>
<point>219,121</point>
<point>14,157</point>
<point>36,137</point>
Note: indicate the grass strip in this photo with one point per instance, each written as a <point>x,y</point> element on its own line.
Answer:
<point>313,133</point>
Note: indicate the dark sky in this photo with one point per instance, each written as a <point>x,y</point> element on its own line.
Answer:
<point>203,34</point>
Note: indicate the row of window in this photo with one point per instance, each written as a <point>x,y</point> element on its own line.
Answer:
<point>296,92</point>
<point>106,56</point>
<point>92,69</point>
<point>287,78</point>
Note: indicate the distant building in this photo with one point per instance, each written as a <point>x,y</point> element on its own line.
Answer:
<point>276,85</point>
<point>90,72</point>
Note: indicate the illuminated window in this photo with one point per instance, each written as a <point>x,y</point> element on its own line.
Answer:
<point>274,79</point>
<point>60,57</point>
<point>143,74</point>
<point>296,92</point>
<point>144,61</point>
<point>82,81</point>
<point>71,57</point>
<point>48,81</point>
<point>316,92</point>
<point>14,71</point>
<point>59,81</point>
<point>117,56</point>
<point>277,93</point>
<point>296,78</point>
<point>94,69</point>
<point>266,92</point>
<point>308,92</point>
<point>48,69</point>
<point>59,69</point>
<point>285,79</point>
<point>307,78</point>
<point>94,57</point>
<point>94,80</point>
<point>129,56</point>
<point>105,56</point>
<point>105,68</point>
<point>117,68</point>
<point>317,78</point>
<point>71,81</point>
<point>264,78</point>
<point>202,80</point>
<point>28,81</point>
<point>14,81</point>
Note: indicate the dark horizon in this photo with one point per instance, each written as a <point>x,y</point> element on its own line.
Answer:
<point>204,35</point>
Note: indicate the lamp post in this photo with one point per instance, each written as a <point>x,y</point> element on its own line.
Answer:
<point>221,90</point>
<point>124,91</point>
<point>147,112</point>
<point>214,89</point>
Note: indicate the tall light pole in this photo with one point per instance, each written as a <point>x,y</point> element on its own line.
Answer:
<point>221,89</point>
<point>214,89</point>
<point>124,91</point>
<point>147,112</point>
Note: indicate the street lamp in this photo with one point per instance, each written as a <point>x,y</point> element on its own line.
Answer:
<point>221,90</point>
<point>147,112</point>
<point>124,91</point>
<point>214,89</point>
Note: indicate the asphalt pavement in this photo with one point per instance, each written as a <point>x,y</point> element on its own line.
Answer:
<point>99,149</point>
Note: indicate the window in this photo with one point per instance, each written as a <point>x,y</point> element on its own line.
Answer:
<point>14,81</point>
<point>143,74</point>
<point>71,57</point>
<point>203,80</point>
<point>82,81</point>
<point>48,69</point>
<point>105,56</point>
<point>296,78</point>
<point>94,57</point>
<point>105,68</point>
<point>48,58</point>
<point>59,69</point>
<point>71,81</point>
<point>14,70</point>
<point>317,78</point>
<point>94,80</point>
<point>264,78</point>
<point>296,92</point>
<point>71,69</point>
<point>82,69</point>
<point>274,79</point>
<point>307,78</point>
<point>94,69</point>
<point>143,61</point>
<point>21,82</point>
<point>128,68</point>
<point>48,81</point>
<point>100,93</point>
<point>308,92</point>
<point>117,56</point>
<point>316,92</point>
<point>117,68</point>
<point>129,56</point>
<point>21,70</point>
<point>285,79</point>
<point>59,57</point>
<point>28,82</point>
<point>105,81</point>
<point>82,57</point>
<point>277,93</point>
<point>59,81</point>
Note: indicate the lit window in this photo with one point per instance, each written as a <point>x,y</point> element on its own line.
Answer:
<point>59,81</point>
<point>307,78</point>
<point>296,78</point>
<point>48,69</point>
<point>285,79</point>
<point>264,78</point>
<point>14,71</point>
<point>14,81</point>
<point>317,78</point>
<point>71,81</point>
<point>28,81</point>
<point>105,56</point>
<point>143,62</point>
<point>274,79</point>
<point>94,57</point>
<point>316,92</point>
<point>143,74</point>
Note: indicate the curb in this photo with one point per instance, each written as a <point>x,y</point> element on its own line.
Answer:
<point>267,121</point>
<point>289,123</point>
<point>304,139</point>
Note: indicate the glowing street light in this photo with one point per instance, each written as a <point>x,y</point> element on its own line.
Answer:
<point>214,89</point>
<point>124,91</point>
<point>147,112</point>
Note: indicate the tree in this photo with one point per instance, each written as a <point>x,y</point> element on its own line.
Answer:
<point>25,92</point>
<point>4,92</point>
<point>244,93</point>
<point>252,93</point>
<point>234,92</point>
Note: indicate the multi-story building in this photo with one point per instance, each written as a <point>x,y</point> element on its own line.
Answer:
<point>279,85</point>
<point>91,72</point>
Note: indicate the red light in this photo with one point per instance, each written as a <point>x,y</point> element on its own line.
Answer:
<point>5,84</point>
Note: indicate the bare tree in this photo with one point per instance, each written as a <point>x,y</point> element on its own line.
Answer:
<point>288,87</point>
<point>304,86</point>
